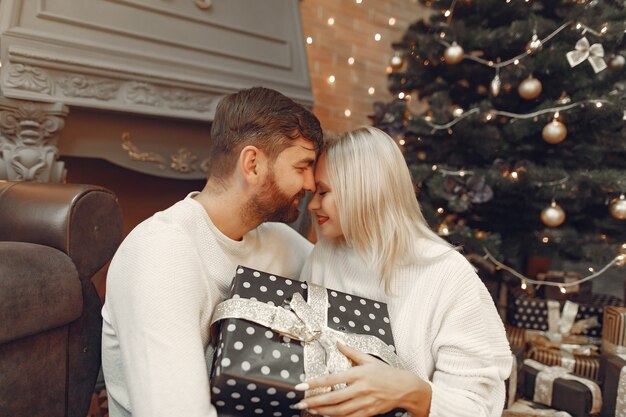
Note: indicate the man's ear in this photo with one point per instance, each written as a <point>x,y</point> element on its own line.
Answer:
<point>253,164</point>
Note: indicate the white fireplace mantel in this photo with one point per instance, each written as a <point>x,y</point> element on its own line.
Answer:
<point>169,59</point>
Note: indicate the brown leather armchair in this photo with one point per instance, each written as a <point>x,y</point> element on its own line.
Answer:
<point>53,239</point>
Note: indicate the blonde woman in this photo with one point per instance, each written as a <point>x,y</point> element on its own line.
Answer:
<point>375,243</point>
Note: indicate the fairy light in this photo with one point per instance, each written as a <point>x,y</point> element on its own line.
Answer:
<point>377,37</point>
<point>392,21</point>
<point>359,1</point>
<point>401,141</point>
<point>371,91</point>
<point>516,62</point>
<point>447,13</point>
<point>524,279</point>
<point>545,239</point>
<point>434,167</point>
<point>514,175</point>
<point>309,40</point>
<point>401,95</point>
<point>351,60</point>
<point>331,79</point>
<point>598,104</point>
<point>440,210</point>
<point>331,21</point>
<point>347,113</point>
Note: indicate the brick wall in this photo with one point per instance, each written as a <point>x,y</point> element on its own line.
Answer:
<point>352,35</point>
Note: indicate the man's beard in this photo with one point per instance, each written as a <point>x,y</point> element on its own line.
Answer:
<point>273,205</point>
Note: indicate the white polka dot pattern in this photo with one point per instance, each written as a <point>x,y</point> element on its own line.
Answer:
<point>247,350</point>
<point>532,313</point>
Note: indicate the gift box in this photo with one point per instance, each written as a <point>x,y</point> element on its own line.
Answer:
<point>579,292</point>
<point>525,408</point>
<point>515,378</point>
<point>614,386</point>
<point>260,355</point>
<point>532,313</point>
<point>614,330</point>
<point>586,366</point>
<point>557,388</point>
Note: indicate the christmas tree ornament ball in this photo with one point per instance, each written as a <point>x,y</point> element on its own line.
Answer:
<point>617,62</point>
<point>617,208</point>
<point>554,132</point>
<point>553,215</point>
<point>530,88</point>
<point>453,54</point>
<point>396,61</point>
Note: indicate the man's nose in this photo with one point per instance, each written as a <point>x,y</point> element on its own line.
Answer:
<point>314,203</point>
<point>309,181</point>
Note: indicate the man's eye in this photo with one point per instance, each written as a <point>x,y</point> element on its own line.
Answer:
<point>321,193</point>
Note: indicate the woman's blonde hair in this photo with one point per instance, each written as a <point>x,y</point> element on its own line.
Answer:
<point>379,213</point>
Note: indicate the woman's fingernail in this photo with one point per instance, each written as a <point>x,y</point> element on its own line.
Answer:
<point>303,386</point>
<point>299,406</point>
<point>313,411</point>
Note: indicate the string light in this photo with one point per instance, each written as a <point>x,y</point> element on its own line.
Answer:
<point>347,112</point>
<point>331,79</point>
<point>510,61</point>
<point>563,286</point>
<point>392,21</point>
<point>377,37</point>
<point>371,91</point>
<point>331,21</point>
<point>351,60</point>
<point>400,95</point>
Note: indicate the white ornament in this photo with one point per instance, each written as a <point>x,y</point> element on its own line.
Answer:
<point>594,54</point>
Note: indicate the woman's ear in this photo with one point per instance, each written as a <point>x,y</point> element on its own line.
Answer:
<point>252,164</point>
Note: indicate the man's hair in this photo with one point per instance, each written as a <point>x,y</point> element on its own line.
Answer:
<point>378,210</point>
<point>260,117</point>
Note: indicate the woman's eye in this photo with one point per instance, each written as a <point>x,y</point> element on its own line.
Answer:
<point>321,193</point>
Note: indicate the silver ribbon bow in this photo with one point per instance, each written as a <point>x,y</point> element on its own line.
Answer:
<point>307,322</point>
<point>594,54</point>
<point>544,384</point>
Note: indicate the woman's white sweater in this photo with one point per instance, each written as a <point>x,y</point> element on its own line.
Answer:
<point>444,323</point>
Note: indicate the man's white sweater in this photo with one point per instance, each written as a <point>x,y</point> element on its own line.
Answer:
<point>444,323</point>
<point>162,287</point>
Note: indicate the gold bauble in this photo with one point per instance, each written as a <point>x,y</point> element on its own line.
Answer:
<point>396,61</point>
<point>617,208</point>
<point>553,215</point>
<point>554,132</point>
<point>530,88</point>
<point>454,54</point>
<point>617,62</point>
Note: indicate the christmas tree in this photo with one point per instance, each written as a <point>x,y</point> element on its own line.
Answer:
<point>522,147</point>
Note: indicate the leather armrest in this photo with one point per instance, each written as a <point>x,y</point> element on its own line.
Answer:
<point>39,290</point>
<point>83,221</point>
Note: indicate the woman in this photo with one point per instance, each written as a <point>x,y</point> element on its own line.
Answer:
<point>375,243</point>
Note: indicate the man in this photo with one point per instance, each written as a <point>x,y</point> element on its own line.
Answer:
<point>173,268</point>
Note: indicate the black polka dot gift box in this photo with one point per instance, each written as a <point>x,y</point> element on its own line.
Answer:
<point>532,313</point>
<point>273,333</point>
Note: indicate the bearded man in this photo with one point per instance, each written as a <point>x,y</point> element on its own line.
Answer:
<point>175,267</point>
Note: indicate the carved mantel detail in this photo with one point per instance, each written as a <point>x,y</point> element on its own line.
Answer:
<point>28,140</point>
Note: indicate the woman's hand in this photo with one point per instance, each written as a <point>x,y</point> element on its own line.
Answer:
<point>373,388</point>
